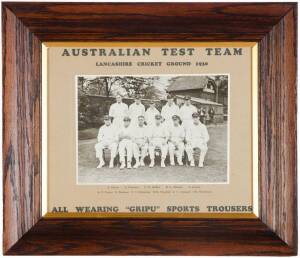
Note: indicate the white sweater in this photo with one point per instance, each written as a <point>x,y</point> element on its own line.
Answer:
<point>176,133</point>
<point>118,111</point>
<point>158,132</point>
<point>197,133</point>
<point>186,112</point>
<point>135,111</point>
<point>107,134</point>
<point>168,111</point>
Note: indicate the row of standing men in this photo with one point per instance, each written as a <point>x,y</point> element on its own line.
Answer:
<point>119,110</point>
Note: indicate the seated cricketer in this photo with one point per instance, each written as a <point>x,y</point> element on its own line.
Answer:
<point>125,143</point>
<point>140,144</point>
<point>196,137</point>
<point>107,138</point>
<point>176,140</point>
<point>158,138</point>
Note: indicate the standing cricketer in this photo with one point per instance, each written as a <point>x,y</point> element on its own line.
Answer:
<point>169,110</point>
<point>176,141</point>
<point>107,138</point>
<point>118,111</point>
<point>140,144</point>
<point>158,138</point>
<point>196,137</point>
<point>125,143</point>
<point>136,109</point>
<point>186,111</point>
<point>150,114</point>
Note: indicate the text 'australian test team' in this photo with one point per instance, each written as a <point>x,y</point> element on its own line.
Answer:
<point>136,133</point>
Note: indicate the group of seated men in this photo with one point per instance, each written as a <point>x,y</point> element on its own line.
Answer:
<point>136,133</point>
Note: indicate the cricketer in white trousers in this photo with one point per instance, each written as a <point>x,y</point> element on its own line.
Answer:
<point>176,144</point>
<point>197,137</point>
<point>107,138</point>
<point>125,144</point>
<point>118,111</point>
<point>140,145</point>
<point>158,139</point>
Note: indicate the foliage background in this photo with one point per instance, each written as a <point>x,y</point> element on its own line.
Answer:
<point>97,93</point>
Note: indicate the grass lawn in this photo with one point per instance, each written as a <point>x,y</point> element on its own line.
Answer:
<point>215,164</point>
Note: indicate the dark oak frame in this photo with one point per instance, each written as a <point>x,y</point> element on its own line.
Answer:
<point>27,25</point>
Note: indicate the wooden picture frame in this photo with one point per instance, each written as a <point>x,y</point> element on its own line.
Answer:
<point>27,25</point>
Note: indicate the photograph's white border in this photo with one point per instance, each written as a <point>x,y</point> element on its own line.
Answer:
<point>154,183</point>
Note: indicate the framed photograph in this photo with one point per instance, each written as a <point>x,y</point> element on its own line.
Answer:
<point>149,129</point>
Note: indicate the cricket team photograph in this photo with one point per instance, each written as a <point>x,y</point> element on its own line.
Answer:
<point>152,129</point>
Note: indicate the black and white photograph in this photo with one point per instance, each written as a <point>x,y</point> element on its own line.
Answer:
<point>152,129</point>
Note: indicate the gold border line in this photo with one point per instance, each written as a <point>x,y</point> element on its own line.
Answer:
<point>91,215</point>
<point>44,179</point>
<point>148,43</point>
<point>255,178</point>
